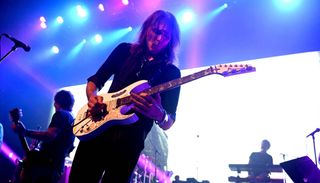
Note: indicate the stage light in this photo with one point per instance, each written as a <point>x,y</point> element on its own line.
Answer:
<point>55,49</point>
<point>75,51</point>
<point>125,2</point>
<point>42,19</point>
<point>101,7</point>
<point>59,19</point>
<point>43,25</point>
<point>186,19</point>
<point>7,151</point>
<point>10,155</point>
<point>225,5</point>
<point>287,5</point>
<point>81,11</point>
<point>110,37</point>
<point>217,11</point>
<point>98,38</point>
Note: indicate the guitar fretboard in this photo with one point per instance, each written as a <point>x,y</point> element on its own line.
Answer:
<point>170,84</point>
<point>224,70</point>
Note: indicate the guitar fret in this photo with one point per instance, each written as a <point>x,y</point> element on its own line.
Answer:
<point>123,101</point>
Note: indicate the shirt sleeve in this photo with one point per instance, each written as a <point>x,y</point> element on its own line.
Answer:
<point>170,98</point>
<point>57,120</point>
<point>109,67</point>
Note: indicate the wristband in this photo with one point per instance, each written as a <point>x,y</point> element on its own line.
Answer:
<point>165,118</point>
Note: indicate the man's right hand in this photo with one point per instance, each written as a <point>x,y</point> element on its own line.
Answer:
<point>94,99</point>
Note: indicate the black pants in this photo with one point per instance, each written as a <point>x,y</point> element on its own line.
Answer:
<point>110,158</point>
<point>38,167</point>
<point>38,174</point>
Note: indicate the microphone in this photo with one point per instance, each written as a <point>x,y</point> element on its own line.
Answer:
<point>315,131</point>
<point>18,44</point>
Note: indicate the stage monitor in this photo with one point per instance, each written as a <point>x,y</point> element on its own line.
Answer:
<point>302,170</point>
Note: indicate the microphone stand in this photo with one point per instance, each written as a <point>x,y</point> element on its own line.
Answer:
<point>314,145</point>
<point>314,149</point>
<point>12,49</point>
<point>284,159</point>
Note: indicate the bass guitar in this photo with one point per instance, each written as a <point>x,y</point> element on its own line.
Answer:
<point>15,116</point>
<point>115,107</point>
<point>33,157</point>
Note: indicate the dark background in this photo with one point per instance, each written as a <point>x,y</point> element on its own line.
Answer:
<point>247,29</point>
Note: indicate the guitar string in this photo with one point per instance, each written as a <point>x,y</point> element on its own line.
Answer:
<point>82,120</point>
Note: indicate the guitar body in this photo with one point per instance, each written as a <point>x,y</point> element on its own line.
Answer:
<point>85,127</point>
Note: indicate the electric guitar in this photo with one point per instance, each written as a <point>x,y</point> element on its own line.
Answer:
<point>115,107</point>
<point>15,116</point>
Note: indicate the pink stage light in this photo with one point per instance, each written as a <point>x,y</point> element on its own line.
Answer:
<point>125,2</point>
<point>145,164</point>
<point>7,151</point>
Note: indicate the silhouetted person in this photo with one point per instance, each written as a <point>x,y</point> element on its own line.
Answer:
<point>260,162</point>
<point>46,164</point>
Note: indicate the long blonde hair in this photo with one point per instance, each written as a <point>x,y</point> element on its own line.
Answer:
<point>154,19</point>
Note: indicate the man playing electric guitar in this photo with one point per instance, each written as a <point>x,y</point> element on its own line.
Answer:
<point>46,165</point>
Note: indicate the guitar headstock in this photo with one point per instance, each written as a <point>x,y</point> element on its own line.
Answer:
<point>15,115</point>
<point>232,69</point>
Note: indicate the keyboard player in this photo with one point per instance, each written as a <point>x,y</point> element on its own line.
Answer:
<point>260,162</point>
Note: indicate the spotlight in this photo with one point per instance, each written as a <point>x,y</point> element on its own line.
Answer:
<point>225,5</point>
<point>42,19</point>
<point>59,19</point>
<point>287,5</point>
<point>98,38</point>
<point>81,11</point>
<point>125,2</point>
<point>43,25</point>
<point>101,7</point>
<point>55,49</point>
<point>187,17</point>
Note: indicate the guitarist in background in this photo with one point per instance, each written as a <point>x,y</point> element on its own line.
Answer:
<point>112,155</point>
<point>46,164</point>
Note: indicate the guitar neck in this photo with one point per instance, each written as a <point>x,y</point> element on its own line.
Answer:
<point>170,84</point>
<point>15,115</point>
<point>179,81</point>
<point>224,70</point>
<point>24,143</point>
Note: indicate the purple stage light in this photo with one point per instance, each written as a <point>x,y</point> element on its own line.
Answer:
<point>12,156</point>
